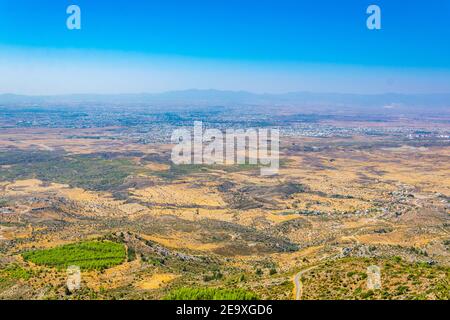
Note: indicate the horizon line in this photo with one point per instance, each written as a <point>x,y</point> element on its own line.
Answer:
<point>225,91</point>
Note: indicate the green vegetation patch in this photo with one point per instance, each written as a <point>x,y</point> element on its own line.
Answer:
<point>210,294</point>
<point>400,280</point>
<point>93,173</point>
<point>91,255</point>
<point>16,272</point>
<point>3,203</point>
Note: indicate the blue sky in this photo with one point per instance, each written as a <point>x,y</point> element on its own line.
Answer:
<point>256,45</point>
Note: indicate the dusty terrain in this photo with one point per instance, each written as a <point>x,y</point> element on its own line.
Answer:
<point>337,206</point>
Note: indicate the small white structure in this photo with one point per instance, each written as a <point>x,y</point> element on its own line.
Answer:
<point>373,278</point>
<point>73,278</point>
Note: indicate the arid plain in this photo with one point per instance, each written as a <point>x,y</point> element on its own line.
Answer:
<point>338,205</point>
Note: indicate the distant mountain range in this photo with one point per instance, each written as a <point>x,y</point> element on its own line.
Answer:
<point>237,98</point>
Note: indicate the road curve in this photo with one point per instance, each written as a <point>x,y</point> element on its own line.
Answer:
<point>298,285</point>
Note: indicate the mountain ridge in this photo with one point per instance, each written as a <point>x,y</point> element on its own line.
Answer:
<point>224,97</point>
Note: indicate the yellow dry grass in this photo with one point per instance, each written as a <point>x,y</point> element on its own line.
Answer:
<point>181,194</point>
<point>132,208</point>
<point>114,277</point>
<point>157,166</point>
<point>397,237</point>
<point>156,281</point>
<point>180,240</point>
<point>21,187</point>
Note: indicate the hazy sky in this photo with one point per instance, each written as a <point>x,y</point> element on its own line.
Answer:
<point>255,45</point>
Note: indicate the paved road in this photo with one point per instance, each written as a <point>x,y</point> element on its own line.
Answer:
<point>298,283</point>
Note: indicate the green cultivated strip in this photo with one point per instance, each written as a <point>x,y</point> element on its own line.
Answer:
<point>92,255</point>
<point>210,294</point>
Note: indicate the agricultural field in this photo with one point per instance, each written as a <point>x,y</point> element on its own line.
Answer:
<point>91,255</point>
<point>210,294</point>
